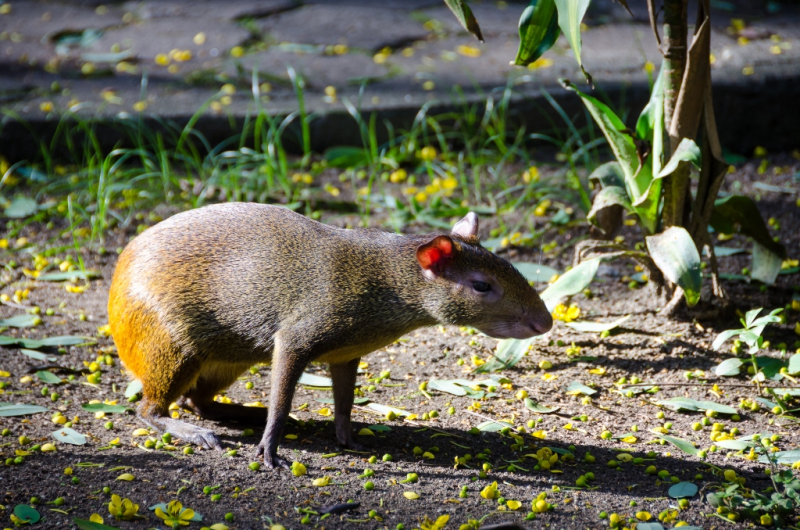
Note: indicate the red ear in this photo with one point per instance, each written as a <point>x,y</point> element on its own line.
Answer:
<point>432,256</point>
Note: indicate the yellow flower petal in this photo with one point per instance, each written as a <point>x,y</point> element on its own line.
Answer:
<point>126,477</point>
<point>410,495</point>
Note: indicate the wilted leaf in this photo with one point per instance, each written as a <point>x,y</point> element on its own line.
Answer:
<point>493,426</point>
<point>69,436</point>
<point>33,354</point>
<point>21,207</point>
<point>410,495</point>
<point>465,17</point>
<point>447,386</point>
<point>576,388</point>
<point>740,211</point>
<point>596,327</point>
<point>765,264</point>
<point>541,409</point>
<point>12,409</point>
<point>127,477</point>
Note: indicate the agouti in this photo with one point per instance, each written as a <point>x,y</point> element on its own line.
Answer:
<point>201,297</point>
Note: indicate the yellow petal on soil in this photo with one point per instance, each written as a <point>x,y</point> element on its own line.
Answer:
<point>3,373</point>
<point>365,432</point>
<point>539,434</point>
<point>644,516</point>
<point>96,518</point>
<point>141,432</point>
<point>218,526</point>
<point>513,505</point>
<point>48,448</point>
<point>126,477</point>
<point>324,412</point>
<point>410,495</point>
<point>630,439</point>
<point>324,481</point>
<point>428,455</point>
<point>598,371</point>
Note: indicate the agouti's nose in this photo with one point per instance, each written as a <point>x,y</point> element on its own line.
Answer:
<point>541,323</point>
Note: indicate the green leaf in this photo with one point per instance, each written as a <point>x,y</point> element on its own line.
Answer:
<point>728,368</point>
<point>649,526</point>
<point>724,336</point>
<point>319,381</point>
<point>69,436</point>
<point>133,388</point>
<point>682,490</point>
<point>379,428</point>
<point>68,275</point>
<point>33,354</point>
<point>579,388</point>
<point>683,403</point>
<point>684,445</point>
<point>535,273</point>
<point>674,252</point>
<point>508,353</point>
<point>12,409</point>
<point>794,364</point>
<point>493,426</point>
<point>538,31</point>
<point>765,264</point>
<point>722,252</point>
<point>609,174</point>
<point>465,17</point>
<point>345,157</point>
<point>447,386</point>
<point>783,457</point>
<point>356,401</point>
<point>735,445</point>
<point>738,211</point>
<point>541,409</point>
<point>104,407</point>
<point>596,327</point>
<point>48,377</point>
<point>67,340</point>
<point>27,514</point>
<point>650,125</point>
<point>687,151</point>
<point>21,207</point>
<point>570,15</point>
<point>85,524</point>
<point>21,321</point>
<point>384,409</point>
<point>571,282</point>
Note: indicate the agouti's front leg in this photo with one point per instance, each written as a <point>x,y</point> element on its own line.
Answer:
<point>344,384</point>
<point>287,367</point>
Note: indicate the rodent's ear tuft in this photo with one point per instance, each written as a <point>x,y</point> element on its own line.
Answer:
<point>432,256</point>
<point>467,228</point>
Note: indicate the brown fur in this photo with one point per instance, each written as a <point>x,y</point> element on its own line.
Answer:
<point>202,296</point>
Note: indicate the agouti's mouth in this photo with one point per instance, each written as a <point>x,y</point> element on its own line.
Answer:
<point>524,328</point>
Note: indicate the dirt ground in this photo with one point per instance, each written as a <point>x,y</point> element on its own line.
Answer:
<point>649,347</point>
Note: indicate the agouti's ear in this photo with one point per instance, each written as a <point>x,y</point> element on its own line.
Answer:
<point>433,256</point>
<point>467,228</point>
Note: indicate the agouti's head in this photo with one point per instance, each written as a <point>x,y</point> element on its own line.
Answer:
<point>471,286</point>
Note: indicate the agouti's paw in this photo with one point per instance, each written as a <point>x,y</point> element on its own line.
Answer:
<point>204,438</point>
<point>272,461</point>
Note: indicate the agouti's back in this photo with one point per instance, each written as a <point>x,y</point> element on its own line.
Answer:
<point>200,297</point>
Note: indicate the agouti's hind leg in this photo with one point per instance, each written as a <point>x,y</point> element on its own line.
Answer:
<point>163,387</point>
<point>344,384</point>
<point>200,398</point>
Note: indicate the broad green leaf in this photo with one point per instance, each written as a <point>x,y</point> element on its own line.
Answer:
<point>609,174</point>
<point>693,405</point>
<point>684,445</point>
<point>607,197</point>
<point>783,457</point>
<point>104,407</point>
<point>33,354</point>
<point>579,388</point>
<point>722,252</point>
<point>794,364</point>
<point>724,336</point>
<point>27,514</point>
<point>571,282</point>
<point>650,125</point>
<point>770,367</point>
<point>21,321</point>
<point>570,15</point>
<point>728,368</point>
<point>68,275</point>
<point>535,273</point>
<point>738,211</point>
<point>682,490</point>
<point>687,151</point>
<point>446,386</point>
<point>537,407</point>
<point>596,327</point>
<point>379,428</point>
<point>12,409</point>
<point>765,264</point>
<point>538,31</point>
<point>133,388</point>
<point>86,524</point>
<point>383,409</point>
<point>48,377</point>
<point>21,207</point>
<point>493,426</point>
<point>508,353</point>
<point>646,206</point>
<point>465,17</point>
<point>674,252</point>
<point>735,445</point>
<point>67,340</point>
<point>319,381</point>
<point>344,157</point>
<point>651,525</point>
<point>69,436</point>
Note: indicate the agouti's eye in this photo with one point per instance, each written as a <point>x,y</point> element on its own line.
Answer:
<point>481,287</point>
